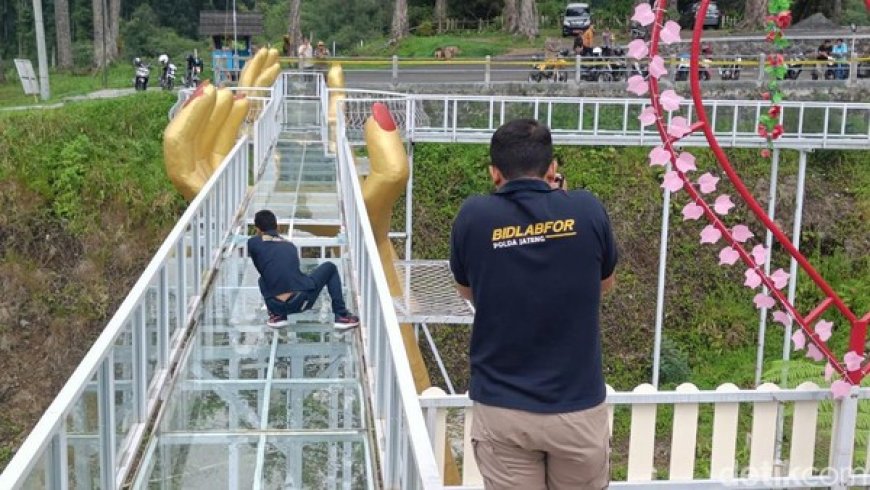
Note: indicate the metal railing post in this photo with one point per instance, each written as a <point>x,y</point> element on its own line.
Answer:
<point>577,68</point>
<point>395,69</point>
<point>853,70</point>
<point>486,72</point>
<point>843,445</point>
<point>760,69</point>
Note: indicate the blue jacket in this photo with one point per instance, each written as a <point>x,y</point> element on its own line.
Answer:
<point>277,261</point>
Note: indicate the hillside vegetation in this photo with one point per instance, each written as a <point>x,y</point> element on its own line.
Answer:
<point>84,203</point>
<point>711,324</point>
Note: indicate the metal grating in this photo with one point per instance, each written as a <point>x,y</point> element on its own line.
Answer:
<point>430,294</point>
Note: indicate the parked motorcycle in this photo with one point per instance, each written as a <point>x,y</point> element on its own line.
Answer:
<point>194,70</point>
<point>551,69</point>
<point>731,71</point>
<point>825,68</point>
<point>143,72</point>
<point>597,69</point>
<point>167,77</point>
<point>794,66</point>
<point>683,68</point>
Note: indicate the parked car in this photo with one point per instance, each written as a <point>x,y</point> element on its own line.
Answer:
<point>712,19</point>
<point>577,19</point>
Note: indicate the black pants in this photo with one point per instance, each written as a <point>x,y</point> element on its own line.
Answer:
<point>326,274</point>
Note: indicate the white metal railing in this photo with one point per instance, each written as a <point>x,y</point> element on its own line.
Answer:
<point>121,379</point>
<point>739,446</point>
<point>407,460</point>
<point>613,121</point>
<point>99,419</point>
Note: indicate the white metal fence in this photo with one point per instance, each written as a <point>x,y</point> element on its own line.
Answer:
<point>114,391</point>
<point>94,427</point>
<point>407,461</point>
<point>704,439</point>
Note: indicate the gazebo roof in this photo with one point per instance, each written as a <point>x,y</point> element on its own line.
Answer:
<point>220,23</point>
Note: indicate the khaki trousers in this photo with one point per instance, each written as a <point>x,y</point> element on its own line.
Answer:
<point>522,450</point>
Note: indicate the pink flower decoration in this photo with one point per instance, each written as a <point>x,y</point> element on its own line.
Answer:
<point>647,116</point>
<point>686,162</point>
<point>692,211</point>
<point>657,67</point>
<point>643,14</point>
<point>679,127</point>
<point>853,361</point>
<point>823,329</point>
<point>728,256</point>
<point>829,371</point>
<point>659,156</point>
<point>782,317</point>
<point>670,33</point>
<point>753,280</point>
<point>814,353</point>
<point>672,181</point>
<point>759,254</point>
<point>710,234</point>
<point>637,85</point>
<point>762,300</point>
<point>741,233</point>
<point>799,339</point>
<point>723,204</point>
<point>707,182</point>
<point>840,389</point>
<point>669,99</point>
<point>637,49</point>
<point>780,278</point>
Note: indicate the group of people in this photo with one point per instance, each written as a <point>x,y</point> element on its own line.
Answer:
<point>534,259</point>
<point>837,51</point>
<point>305,52</point>
<point>584,41</point>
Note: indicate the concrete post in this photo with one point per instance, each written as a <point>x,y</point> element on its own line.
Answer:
<point>761,59</point>
<point>577,69</point>
<point>487,75</point>
<point>853,70</point>
<point>395,69</point>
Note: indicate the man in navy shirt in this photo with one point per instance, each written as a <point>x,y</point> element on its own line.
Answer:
<point>534,259</point>
<point>284,287</point>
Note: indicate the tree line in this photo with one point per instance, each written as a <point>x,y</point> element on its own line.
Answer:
<point>94,32</point>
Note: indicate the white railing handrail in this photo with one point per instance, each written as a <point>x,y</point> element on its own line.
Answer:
<point>424,458</point>
<point>26,457</point>
<point>672,397</point>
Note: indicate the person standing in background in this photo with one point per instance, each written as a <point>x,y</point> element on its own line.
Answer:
<point>305,54</point>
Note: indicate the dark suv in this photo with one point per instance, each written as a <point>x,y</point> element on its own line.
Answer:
<point>712,19</point>
<point>577,19</point>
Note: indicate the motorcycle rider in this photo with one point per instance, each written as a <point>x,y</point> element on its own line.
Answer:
<point>194,69</point>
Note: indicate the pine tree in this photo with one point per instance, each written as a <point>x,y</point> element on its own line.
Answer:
<point>527,20</point>
<point>509,14</point>
<point>62,34</point>
<point>400,20</point>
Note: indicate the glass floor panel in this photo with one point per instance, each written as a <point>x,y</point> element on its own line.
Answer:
<point>255,407</point>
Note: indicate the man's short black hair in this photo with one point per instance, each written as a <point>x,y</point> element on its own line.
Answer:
<point>265,221</point>
<point>522,148</point>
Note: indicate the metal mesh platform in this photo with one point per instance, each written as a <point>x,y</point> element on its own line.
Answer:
<point>430,294</point>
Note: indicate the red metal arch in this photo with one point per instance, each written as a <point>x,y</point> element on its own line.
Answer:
<point>858,326</point>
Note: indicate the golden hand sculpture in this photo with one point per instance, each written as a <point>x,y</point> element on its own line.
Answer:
<point>383,186</point>
<point>229,131</point>
<point>180,138</point>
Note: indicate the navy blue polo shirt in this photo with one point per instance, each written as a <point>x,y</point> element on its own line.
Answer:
<point>534,258</point>
<point>277,261</point>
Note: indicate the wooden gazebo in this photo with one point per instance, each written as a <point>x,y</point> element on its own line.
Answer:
<point>218,24</point>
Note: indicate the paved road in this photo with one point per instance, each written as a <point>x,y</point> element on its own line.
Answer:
<point>440,74</point>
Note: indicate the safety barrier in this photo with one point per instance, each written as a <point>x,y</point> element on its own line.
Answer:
<point>95,425</point>
<point>407,461</point>
<point>726,446</point>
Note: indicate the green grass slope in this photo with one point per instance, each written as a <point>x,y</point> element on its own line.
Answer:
<point>711,325</point>
<point>84,203</point>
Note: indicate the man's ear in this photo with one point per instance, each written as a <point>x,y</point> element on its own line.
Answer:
<point>550,176</point>
<point>496,176</point>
